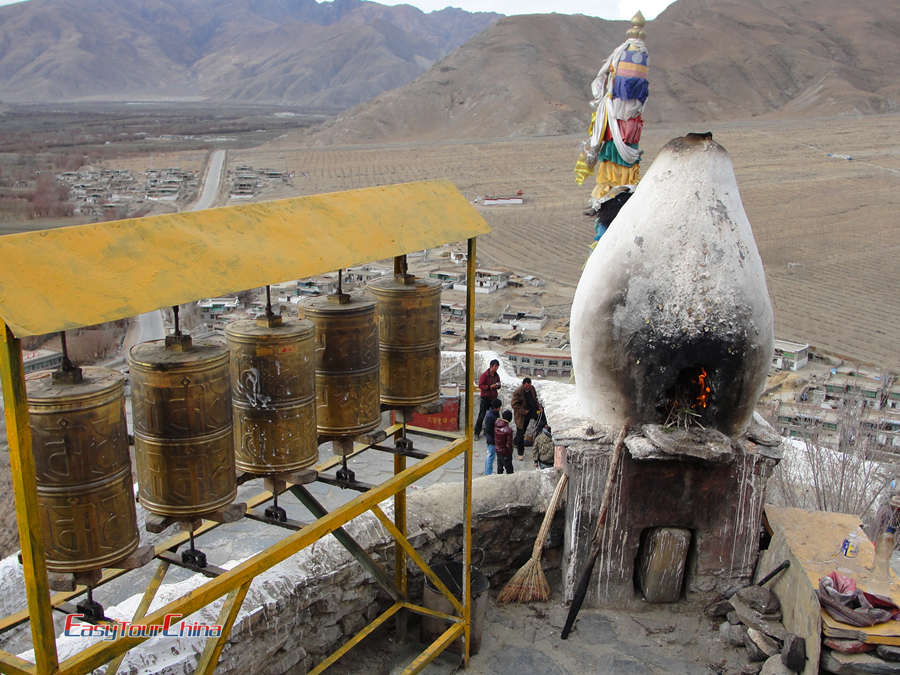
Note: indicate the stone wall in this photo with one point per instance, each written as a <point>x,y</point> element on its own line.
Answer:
<point>306,607</point>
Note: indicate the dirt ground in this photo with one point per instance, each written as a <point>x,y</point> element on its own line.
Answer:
<point>826,226</point>
<point>516,639</point>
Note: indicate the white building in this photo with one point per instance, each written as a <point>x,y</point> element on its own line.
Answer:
<point>212,308</point>
<point>790,355</point>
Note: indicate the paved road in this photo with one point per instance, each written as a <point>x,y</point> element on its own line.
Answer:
<point>211,183</point>
<point>150,325</point>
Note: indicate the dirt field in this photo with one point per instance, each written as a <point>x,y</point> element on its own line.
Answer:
<point>194,160</point>
<point>827,227</point>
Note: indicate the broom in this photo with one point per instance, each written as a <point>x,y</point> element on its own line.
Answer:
<point>585,580</point>
<point>529,583</point>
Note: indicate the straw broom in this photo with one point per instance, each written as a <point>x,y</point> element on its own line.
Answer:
<point>529,583</point>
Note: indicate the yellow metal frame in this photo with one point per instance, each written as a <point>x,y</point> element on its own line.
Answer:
<point>395,220</point>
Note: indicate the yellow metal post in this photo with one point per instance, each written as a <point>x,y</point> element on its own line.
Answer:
<point>21,466</point>
<point>404,542</point>
<point>443,641</point>
<point>13,665</point>
<point>230,608</point>
<point>356,639</point>
<point>467,480</point>
<point>399,553</point>
<point>143,606</point>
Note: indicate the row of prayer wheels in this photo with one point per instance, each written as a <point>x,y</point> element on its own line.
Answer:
<point>202,412</point>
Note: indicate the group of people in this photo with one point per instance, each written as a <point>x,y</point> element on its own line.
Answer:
<point>496,424</point>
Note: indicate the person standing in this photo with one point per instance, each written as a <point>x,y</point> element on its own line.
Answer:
<point>526,406</point>
<point>542,452</point>
<point>489,421</point>
<point>503,440</point>
<point>488,386</point>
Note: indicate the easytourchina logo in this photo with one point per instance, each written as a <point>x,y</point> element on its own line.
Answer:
<point>115,629</point>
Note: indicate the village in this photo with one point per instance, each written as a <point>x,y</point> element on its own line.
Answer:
<point>101,193</point>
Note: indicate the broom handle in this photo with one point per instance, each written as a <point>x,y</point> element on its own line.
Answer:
<point>585,580</point>
<point>548,517</point>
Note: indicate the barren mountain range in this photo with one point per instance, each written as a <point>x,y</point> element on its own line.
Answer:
<point>452,74</point>
<point>709,60</point>
<point>318,55</point>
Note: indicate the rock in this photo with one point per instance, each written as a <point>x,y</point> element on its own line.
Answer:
<point>848,646</point>
<point>888,652</point>
<point>642,449</point>
<point>733,635</point>
<point>856,664</point>
<point>761,599</point>
<point>662,562</point>
<point>774,666</point>
<point>718,609</point>
<point>751,668</point>
<point>766,645</point>
<point>732,617</point>
<point>770,624</point>
<point>793,653</point>
<point>706,444</point>
<point>754,653</point>
<point>762,433</point>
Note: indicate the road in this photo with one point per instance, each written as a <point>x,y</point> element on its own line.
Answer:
<point>149,326</point>
<point>211,184</point>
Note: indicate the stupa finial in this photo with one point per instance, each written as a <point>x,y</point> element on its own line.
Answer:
<point>637,27</point>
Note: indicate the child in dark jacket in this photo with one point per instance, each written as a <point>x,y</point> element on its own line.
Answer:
<point>503,442</point>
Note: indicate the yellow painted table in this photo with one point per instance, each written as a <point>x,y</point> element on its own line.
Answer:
<point>811,540</point>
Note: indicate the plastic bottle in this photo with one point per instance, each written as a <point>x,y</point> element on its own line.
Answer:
<point>850,547</point>
<point>884,547</point>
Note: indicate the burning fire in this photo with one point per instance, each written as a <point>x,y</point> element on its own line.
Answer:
<point>703,388</point>
<point>688,398</point>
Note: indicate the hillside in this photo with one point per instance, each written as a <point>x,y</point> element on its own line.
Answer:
<point>709,60</point>
<point>326,56</point>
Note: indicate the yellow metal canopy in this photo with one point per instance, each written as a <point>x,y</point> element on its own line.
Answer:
<point>53,280</point>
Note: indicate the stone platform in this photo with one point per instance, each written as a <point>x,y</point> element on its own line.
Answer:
<point>699,480</point>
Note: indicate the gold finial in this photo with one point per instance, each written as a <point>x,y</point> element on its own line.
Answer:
<point>637,27</point>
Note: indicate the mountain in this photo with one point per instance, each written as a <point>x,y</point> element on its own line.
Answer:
<point>327,55</point>
<point>709,60</point>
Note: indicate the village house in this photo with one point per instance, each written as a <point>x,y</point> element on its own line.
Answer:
<point>523,318</point>
<point>537,361</point>
<point>486,281</point>
<point>212,308</point>
<point>790,355</point>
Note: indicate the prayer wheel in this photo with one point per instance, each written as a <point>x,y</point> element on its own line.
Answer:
<point>273,394</point>
<point>181,400</point>
<point>82,468</point>
<point>408,312</point>
<point>347,372</point>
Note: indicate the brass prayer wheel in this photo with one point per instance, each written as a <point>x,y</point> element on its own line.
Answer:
<point>273,394</point>
<point>408,312</point>
<point>347,372</point>
<point>181,401</point>
<point>82,469</point>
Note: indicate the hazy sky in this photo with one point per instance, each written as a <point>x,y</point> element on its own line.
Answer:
<point>607,9</point>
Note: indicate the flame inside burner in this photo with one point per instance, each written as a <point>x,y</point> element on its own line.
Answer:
<point>684,403</point>
<point>703,389</point>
